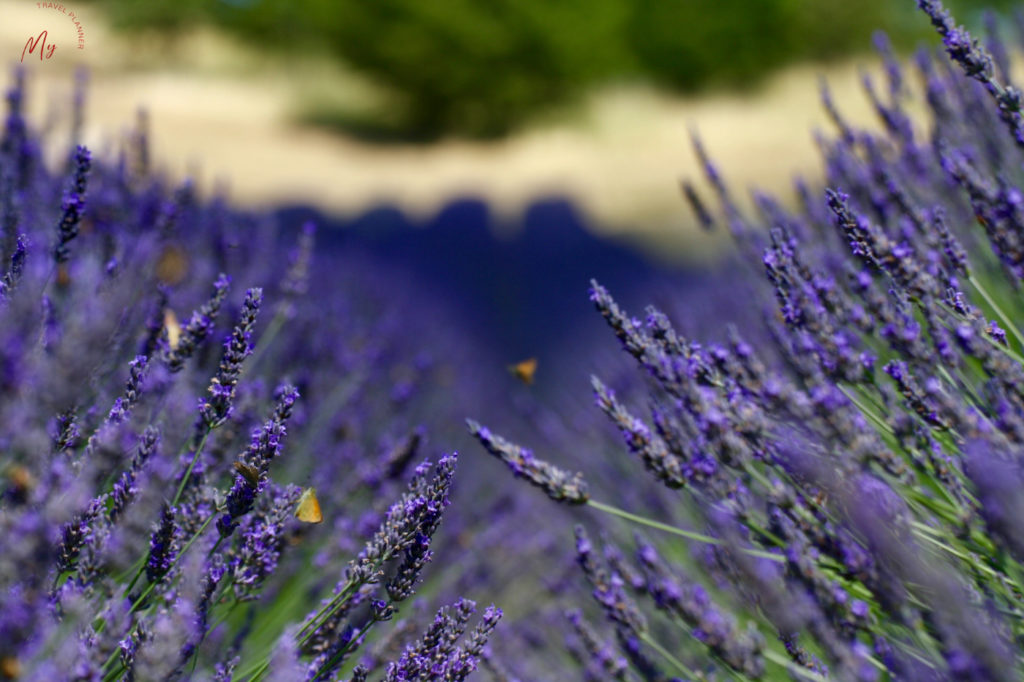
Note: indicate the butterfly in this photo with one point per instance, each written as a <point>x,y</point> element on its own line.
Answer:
<point>21,483</point>
<point>10,667</point>
<point>524,370</point>
<point>249,473</point>
<point>172,265</point>
<point>308,510</point>
<point>21,478</point>
<point>63,275</point>
<point>172,327</point>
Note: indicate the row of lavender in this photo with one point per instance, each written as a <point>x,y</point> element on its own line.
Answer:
<point>849,486</point>
<point>844,495</point>
<point>167,424</point>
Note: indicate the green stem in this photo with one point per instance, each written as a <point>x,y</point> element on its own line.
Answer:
<point>680,666</point>
<point>149,588</point>
<point>227,614</point>
<point>202,638</point>
<point>1011,328</point>
<point>138,574</point>
<point>191,465</point>
<point>336,658</point>
<point>115,673</point>
<point>276,323</point>
<point>177,497</point>
<point>255,673</point>
<point>336,603</point>
<point>780,660</point>
<point>963,556</point>
<point>177,559</point>
<point>688,534</point>
<point>868,412</point>
<point>325,612</point>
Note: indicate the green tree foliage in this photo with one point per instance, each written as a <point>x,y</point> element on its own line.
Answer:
<point>481,68</point>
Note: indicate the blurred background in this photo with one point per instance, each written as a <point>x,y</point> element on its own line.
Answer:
<point>347,105</point>
<point>500,154</point>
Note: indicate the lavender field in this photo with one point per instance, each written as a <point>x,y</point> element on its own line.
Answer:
<point>278,445</point>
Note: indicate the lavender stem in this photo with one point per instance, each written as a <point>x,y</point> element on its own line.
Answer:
<point>690,535</point>
<point>1003,317</point>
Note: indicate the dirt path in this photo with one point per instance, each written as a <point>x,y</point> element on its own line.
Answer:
<point>224,112</point>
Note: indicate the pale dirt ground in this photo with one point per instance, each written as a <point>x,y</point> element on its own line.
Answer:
<point>223,113</point>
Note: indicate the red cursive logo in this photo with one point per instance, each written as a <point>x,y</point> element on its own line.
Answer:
<point>40,42</point>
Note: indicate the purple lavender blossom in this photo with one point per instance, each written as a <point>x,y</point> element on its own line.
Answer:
<point>437,655</point>
<point>237,348</point>
<point>17,266</point>
<point>73,205</point>
<point>977,64</point>
<point>198,328</point>
<point>162,550</point>
<point>558,484</point>
<point>265,446</point>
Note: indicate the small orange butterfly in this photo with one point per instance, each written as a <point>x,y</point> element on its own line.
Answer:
<point>63,275</point>
<point>172,265</point>
<point>308,510</point>
<point>524,370</point>
<point>249,473</point>
<point>10,667</point>
<point>172,327</point>
<point>21,478</point>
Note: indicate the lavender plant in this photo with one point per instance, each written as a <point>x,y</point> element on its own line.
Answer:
<point>839,499</point>
<point>831,495</point>
<point>152,470</point>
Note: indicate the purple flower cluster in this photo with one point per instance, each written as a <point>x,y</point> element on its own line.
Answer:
<point>438,655</point>
<point>156,476</point>
<point>558,484</point>
<point>835,496</point>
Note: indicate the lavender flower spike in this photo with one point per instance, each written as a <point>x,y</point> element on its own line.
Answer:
<point>73,205</point>
<point>609,588</point>
<point>123,405</point>
<point>978,64</point>
<point>125,488</point>
<point>162,551</point>
<point>560,485</point>
<point>236,349</point>
<point>264,447</point>
<point>198,328</point>
<point>436,656</point>
<point>11,277</point>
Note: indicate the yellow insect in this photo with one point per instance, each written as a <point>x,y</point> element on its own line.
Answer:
<point>524,370</point>
<point>249,473</point>
<point>172,327</point>
<point>308,510</point>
